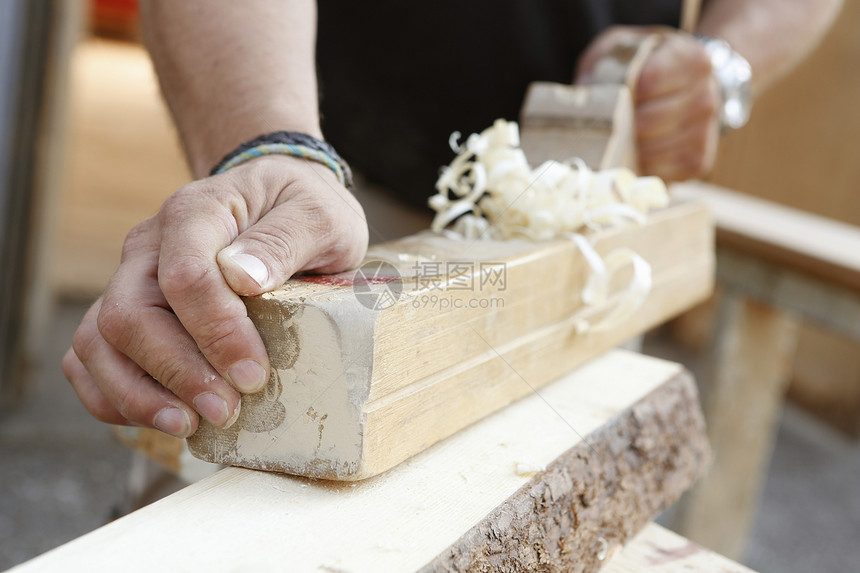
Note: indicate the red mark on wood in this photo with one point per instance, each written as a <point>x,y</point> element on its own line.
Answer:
<point>344,280</point>
<point>327,280</point>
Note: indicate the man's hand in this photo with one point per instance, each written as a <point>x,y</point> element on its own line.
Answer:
<point>677,103</point>
<point>170,338</point>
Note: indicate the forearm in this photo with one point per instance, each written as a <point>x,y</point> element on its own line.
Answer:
<point>233,70</point>
<point>773,35</point>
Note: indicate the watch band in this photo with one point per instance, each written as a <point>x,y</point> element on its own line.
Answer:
<point>734,76</point>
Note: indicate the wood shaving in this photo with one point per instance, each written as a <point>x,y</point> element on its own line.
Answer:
<point>489,191</point>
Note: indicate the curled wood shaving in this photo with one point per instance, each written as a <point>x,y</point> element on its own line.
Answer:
<point>490,191</point>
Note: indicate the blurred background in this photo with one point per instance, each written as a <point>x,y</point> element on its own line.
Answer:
<point>88,150</point>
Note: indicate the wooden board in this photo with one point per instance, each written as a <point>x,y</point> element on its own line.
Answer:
<point>657,549</point>
<point>620,439</point>
<point>356,391</point>
<point>824,248</point>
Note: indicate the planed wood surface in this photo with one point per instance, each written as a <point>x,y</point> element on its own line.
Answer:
<point>355,391</point>
<point>657,549</point>
<point>548,484</point>
<point>824,248</point>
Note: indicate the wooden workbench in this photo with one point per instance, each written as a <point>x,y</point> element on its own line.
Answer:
<point>778,269</point>
<point>556,482</point>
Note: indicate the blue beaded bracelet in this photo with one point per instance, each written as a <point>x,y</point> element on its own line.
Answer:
<point>288,143</point>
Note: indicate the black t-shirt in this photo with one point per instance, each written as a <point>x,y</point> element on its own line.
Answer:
<point>397,77</point>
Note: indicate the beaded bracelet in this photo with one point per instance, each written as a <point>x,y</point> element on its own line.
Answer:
<point>288,143</point>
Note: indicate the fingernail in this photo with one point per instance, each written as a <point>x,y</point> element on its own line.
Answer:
<point>252,266</point>
<point>172,421</point>
<point>235,415</point>
<point>247,376</point>
<point>212,407</point>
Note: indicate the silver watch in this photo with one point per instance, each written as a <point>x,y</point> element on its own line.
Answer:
<point>734,76</point>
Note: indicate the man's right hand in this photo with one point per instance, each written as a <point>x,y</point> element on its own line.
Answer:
<point>170,338</point>
<point>677,102</point>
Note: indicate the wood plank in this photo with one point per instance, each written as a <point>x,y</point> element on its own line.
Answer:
<point>620,439</point>
<point>376,387</point>
<point>657,549</point>
<point>822,247</point>
<point>743,397</point>
<point>814,300</point>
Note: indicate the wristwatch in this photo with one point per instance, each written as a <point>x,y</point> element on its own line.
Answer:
<point>734,76</point>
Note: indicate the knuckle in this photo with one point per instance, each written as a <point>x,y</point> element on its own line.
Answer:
<point>137,239</point>
<point>184,203</point>
<point>73,369</point>
<point>203,194</point>
<point>216,335</point>
<point>125,402</point>
<point>116,323</point>
<point>82,341</point>
<point>183,275</point>
<point>183,198</point>
<point>70,366</point>
<point>173,375</point>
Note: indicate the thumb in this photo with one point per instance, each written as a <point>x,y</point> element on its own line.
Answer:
<point>268,253</point>
<point>245,272</point>
<point>287,240</point>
